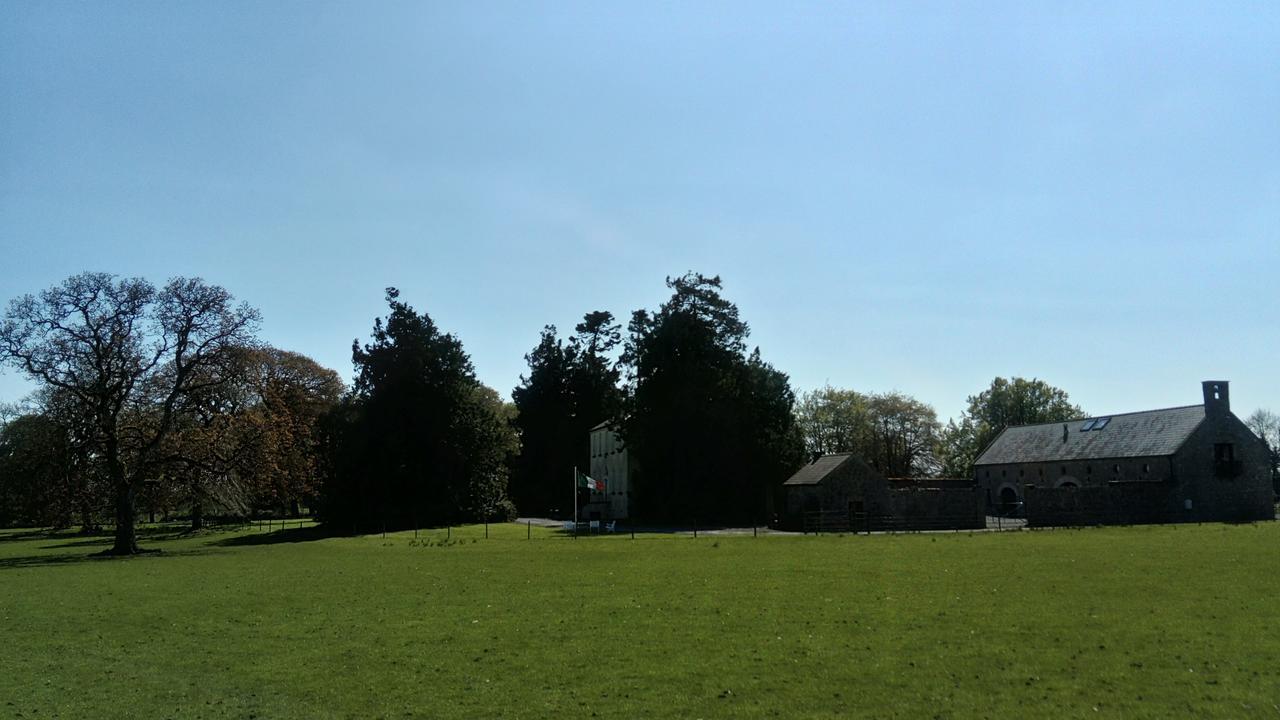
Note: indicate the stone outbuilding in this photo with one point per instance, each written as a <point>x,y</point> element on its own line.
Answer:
<point>1185,464</point>
<point>841,492</point>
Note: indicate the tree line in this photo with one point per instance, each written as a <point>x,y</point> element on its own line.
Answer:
<point>164,397</point>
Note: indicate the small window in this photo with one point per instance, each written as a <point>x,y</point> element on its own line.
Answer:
<point>1100,423</point>
<point>1020,472</point>
<point>1087,426</point>
<point>1041,472</point>
<point>1064,469</point>
<point>1088,469</point>
<point>1004,473</point>
<point>1224,452</point>
<point>1146,467</point>
<point>1115,469</point>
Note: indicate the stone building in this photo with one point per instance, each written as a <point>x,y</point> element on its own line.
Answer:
<point>1183,464</point>
<point>842,492</point>
<point>611,464</point>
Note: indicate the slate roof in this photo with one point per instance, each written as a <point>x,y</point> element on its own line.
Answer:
<point>1154,432</point>
<point>814,472</point>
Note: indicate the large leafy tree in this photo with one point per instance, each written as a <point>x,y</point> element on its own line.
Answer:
<point>894,432</point>
<point>571,387</point>
<point>252,441</point>
<point>36,473</point>
<point>420,440</point>
<point>292,394</point>
<point>125,356</point>
<point>1007,402</point>
<point>211,450</point>
<point>710,427</point>
<point>81,492</point>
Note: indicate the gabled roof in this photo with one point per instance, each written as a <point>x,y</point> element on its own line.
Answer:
<point>814,472</point>
<point>1154,432</point>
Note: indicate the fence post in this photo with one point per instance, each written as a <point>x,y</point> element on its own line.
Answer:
<point>528,529</point>
<point>695,528</point>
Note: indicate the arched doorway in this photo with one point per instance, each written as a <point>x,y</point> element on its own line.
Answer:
<point>1009,504</point>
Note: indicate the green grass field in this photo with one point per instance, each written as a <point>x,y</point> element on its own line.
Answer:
<point>1152,622</point>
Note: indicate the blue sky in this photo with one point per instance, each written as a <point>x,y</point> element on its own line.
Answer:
<point>898,196</point>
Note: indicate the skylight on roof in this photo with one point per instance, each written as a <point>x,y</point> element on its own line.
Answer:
<point>1100,423</point>
<point>1088,425</point>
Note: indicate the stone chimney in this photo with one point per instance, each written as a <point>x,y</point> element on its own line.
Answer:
<point>1217,398</point>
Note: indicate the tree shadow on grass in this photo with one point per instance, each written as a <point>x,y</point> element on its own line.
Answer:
<point>275,537</point>
<point>90,542</point>
<point>26,561</point>
<point>145,535</point>
<point>30,561</point>
<point>16,535</point>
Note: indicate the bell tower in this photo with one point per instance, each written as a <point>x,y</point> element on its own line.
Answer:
<point>1217,397</point>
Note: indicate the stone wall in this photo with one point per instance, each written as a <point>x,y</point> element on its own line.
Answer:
<point>926,508</point>
<point>1114,504</point>
<point>1236,490</point>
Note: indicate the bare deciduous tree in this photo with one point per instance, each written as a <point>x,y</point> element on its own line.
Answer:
<point>128,355</point>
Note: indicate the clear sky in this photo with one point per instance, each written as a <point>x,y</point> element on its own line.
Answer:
<point>898,196</point>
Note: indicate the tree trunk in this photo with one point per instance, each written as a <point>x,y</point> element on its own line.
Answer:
<point>126,530</point>
<point>197,516</point>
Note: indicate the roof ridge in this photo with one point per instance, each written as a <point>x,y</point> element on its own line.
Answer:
<point>1112,415</point>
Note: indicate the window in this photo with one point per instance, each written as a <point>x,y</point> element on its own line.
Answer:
<point>1224,452</point>
<point>1064,469</point>
<point>1100,423</point>
<point>1088,469</point>
<point>1087,426</point>
<point>1146,467</point>
<point>1115,469</point>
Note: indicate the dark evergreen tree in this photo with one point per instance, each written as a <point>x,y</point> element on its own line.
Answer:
<point>36,473</point>
<point>420,441</point>
<point>710,429</point>
<point>571,387</point>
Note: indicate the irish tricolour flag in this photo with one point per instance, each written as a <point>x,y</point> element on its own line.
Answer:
<point>590,483</point>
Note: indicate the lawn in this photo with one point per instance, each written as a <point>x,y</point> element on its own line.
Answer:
<point>1122,622</point>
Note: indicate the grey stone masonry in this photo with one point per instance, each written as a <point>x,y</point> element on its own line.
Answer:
<point>1185,464</point>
